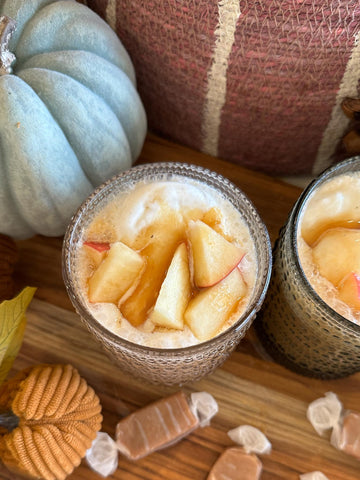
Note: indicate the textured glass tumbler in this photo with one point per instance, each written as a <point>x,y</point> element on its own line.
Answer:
<point>159,365</point>
<point>296,327</point>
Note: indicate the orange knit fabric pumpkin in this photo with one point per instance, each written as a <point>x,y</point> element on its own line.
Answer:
<point>57,416</point>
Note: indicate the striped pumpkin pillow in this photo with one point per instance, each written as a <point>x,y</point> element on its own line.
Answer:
<point>257,83</point>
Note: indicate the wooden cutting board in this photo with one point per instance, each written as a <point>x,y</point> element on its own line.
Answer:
<point>249,388</point>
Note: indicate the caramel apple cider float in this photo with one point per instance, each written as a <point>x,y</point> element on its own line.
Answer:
<point>329,243</point>
<point>310,320</point>
<point>167,264</point>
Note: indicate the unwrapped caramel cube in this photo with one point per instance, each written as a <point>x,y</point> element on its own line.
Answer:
<point>235,464</point>
<point>155,426</point>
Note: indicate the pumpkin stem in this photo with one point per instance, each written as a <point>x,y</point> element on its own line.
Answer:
<point>8,420</point>
<point>7,28</point>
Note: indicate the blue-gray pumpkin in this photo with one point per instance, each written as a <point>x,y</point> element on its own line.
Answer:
<point>70,114</point>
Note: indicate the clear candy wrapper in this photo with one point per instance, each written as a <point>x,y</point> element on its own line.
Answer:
<point>324,413</point>
<point>204,407</point>
<point>251,439</point>
<point>313,476</point>
<point>328,413</point>
<point>151,428</point>
<point>102,456</point>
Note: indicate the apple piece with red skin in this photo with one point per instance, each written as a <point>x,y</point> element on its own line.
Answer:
<point>349,290</point>
<point>212,307</point>
<point>96,251</point>
<point>174,293</point>
<point>213,256</point>
<point>120,270</point>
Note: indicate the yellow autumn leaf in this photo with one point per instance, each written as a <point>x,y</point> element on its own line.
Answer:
<point>12,328</point>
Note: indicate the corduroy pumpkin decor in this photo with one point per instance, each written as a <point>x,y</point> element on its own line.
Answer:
<point>49,417</point>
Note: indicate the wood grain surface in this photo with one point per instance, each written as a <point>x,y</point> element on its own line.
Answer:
<point>249,387</point>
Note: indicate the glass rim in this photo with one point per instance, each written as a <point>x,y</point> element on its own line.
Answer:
<point>295,219</point>
<point>178,169</point>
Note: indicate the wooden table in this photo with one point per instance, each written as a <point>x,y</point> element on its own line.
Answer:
<point>249,388</point>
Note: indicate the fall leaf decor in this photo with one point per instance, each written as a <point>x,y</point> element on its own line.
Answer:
<point>49,417</point>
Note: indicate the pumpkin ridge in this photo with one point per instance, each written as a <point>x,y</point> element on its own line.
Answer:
<point>36,398</point>
<point>80,397</point>
<point>48,391</point>
<point>66,27</point>
<point>23,395</point>
<point>53,205</point>
<point>23,11</point>
<point>53,465</point>
<point>24,459</point>
<point>10,457</point>
<point>69,382</point>
<point>8,390</point>
<point>79,439</point>
<point>88,414</point>
<point>106,140</point>
<point>104,79</point>
<point>53,179</point>
<point>69,395</point>
<point>67,449</point>
<point>32,453</point>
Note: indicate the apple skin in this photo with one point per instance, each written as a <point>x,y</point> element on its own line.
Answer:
<point>211,307</point>
<point>214,257</point>
<point>96,251</point>
<point>225,274</point>
<point>349,290</point>
<point>115,275</point>
<point>99,246</point>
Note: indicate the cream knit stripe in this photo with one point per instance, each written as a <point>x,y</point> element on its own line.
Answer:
<point>229,12</point>
<point>338,121</point>
<point>110,13</point>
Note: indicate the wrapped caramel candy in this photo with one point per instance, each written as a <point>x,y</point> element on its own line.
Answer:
<point>327,413</point>
<point>346,434</point>
<point>236,462</point>
<point>153,427</point>
<point>324,413</point>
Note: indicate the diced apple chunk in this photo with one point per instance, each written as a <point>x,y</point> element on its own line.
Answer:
<point>349,290</point>
<point>96,251</point>
<point>116,274</point>
<point>213,256</point>
<point>211,307</point>
<point>174,293</point>
<point>337,253</point>
<point>334,204</point>
<point>161,240</point>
